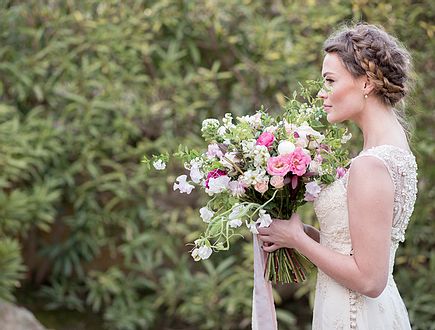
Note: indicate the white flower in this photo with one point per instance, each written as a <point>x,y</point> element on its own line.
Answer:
<point>204,252</point>
<point>182,185</point>
<point>237,188</point>
<point>222,130</point>
<point>218,185</point>
<point>195,174</point>
<point>195,255</point>
<point>314,166</point>
<point>252,177</point>
<point>159,164</point>
<point>286,147</point>
<point>206,214</point>
<point>248,147</point>
<point>312,191</point>
<point>229,157</point>
<point>210,122</point>
<point>236,223</point>
<point>254,121</point>
<point>228,120</point>
<point>306,134</point>
<point>261,156</point>
<point>214,151</point>
<point>264,220</point>
<point>252,227</point>
<point>345,138</point>
<point>271,129</point>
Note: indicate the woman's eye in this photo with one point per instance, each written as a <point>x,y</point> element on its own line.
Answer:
<point>329,80</point>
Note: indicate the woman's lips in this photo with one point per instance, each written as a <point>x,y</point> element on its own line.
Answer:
<point>326,107</point>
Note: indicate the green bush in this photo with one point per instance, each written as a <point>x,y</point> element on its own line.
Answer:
<point>88,87</point>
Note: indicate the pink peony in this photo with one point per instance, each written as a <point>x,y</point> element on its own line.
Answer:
<point>265,139</point>
<point>279,165</point>
<point>299,161</point>
<point>214,174</point>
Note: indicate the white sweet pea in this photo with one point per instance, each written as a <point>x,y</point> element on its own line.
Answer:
<point>237,188</point>
<point>182,185</point>
<point>286,147</point>
<point>159,164</point>
<point>218,185</point>
<point>206,214</point>
<point>312,191</point>
<point>237,212</point>
<point>314,167</point>
<point>195,174</point>
<point>214,151</point>
<point>195,255</point>
<point>204,252</point>
<point>252,227</point>
<point>236,223</point>
<point>264,220</point>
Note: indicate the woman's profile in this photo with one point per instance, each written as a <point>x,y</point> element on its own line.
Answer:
<point>364,214</point>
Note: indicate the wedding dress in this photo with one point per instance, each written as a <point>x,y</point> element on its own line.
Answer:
<point>337,307</point>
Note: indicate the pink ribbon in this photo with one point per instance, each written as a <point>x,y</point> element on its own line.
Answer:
<point>263,307</point>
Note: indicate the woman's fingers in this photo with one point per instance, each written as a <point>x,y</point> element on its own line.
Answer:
<point>265,238</point>
<point>270,248</point>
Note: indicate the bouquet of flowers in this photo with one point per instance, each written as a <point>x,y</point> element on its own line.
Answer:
<point>260,167</point>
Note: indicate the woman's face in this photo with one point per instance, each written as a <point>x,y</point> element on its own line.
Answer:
<point>343,95</point>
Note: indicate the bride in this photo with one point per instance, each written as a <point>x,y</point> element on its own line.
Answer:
<point>363,215</point>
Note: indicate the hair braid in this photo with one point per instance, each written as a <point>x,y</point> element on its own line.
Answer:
<point>374,72</point>
<point>368,50</point>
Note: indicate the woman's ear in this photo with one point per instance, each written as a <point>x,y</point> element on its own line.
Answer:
<point>368,86</point>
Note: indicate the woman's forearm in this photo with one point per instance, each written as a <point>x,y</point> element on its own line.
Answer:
<point>312,232</point>
<point>342,268</point>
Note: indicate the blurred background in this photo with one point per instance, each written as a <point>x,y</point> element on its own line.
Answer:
<point>88,238</point>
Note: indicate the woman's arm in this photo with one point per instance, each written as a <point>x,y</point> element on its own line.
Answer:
<point>370,207</point>
<point>312,232</point>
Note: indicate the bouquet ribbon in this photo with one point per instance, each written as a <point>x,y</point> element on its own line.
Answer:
<point>263,307</point>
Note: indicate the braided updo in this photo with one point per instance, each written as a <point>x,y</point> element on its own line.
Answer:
<point>366,49</point>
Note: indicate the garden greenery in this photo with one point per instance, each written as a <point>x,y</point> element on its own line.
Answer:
<point>89,87</point>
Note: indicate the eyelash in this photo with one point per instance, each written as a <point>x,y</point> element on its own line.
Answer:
<point>330,80</point>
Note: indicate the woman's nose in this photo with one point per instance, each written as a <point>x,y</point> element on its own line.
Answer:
<point>322,94</point>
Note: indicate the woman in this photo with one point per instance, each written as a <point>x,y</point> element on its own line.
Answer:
<point>363,215</point>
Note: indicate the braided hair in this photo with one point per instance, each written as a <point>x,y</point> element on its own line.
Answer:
<point>366,49</point>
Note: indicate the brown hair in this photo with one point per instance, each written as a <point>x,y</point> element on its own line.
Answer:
<point>368,50</point>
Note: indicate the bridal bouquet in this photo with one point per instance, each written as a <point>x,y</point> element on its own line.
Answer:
<point>260,167</point>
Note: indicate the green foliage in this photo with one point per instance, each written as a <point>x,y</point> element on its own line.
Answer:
<point>89,87</point>
<point>12,269</point>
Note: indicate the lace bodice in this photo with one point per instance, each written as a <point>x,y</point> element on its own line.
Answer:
<point>331,206</point>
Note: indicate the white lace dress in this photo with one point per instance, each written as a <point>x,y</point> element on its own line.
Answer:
<point>337,307</point>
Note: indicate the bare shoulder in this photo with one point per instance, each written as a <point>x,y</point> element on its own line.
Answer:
<point>369,176</point>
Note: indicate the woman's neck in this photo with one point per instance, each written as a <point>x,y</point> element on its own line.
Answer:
<point>379,125</point>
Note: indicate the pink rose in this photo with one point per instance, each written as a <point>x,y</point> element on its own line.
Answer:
<point>265,139</point>
<point>262,186</point>
<point>277,181</point>
<point>299,161</point>
<point>279,165</point>
<point>214,174</point>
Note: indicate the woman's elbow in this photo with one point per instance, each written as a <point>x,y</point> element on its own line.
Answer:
<point>373,289</point>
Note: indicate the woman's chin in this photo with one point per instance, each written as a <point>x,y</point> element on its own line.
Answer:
<point>331,118</point>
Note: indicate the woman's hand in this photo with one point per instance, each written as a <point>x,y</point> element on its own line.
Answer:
<point>282,233</point>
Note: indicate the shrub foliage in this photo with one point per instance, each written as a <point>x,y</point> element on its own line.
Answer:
<point>88,87</point>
